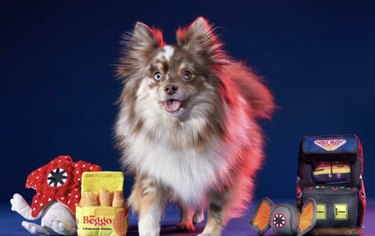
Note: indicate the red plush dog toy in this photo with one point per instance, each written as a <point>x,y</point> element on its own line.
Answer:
<point>58,191</point>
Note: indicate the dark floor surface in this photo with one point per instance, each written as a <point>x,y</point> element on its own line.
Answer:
<point>10,222</point>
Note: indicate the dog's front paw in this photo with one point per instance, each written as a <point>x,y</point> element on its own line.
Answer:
<point>210,233</point>
<point>148,228</point>
<point>148,231</point>
<point>185,226</point>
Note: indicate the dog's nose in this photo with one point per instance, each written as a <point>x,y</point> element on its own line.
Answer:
<point>170,89</point>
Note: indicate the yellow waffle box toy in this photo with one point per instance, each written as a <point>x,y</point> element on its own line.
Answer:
<point>102,211</point>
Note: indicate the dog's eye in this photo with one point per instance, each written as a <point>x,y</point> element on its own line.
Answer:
<point>187,75</point>
<point>158,76</point>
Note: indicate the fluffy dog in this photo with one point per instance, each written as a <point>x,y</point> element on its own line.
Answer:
<point>187,126</point>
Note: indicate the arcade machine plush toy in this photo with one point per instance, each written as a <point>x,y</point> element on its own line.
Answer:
<point>58,192</point>
<point>284,219</point>
<point>330,171</point>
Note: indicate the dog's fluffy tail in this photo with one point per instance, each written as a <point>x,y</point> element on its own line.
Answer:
<point>251,87</point>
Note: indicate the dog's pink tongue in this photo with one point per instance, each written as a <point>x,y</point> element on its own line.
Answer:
<point>172,105</point>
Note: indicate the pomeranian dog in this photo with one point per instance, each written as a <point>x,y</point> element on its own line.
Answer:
<point>187,127</point>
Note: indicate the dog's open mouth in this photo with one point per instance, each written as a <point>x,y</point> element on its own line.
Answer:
<point>172,105</point>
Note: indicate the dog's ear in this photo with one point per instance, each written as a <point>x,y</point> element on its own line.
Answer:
<point>139,46</point>
<point>199,37</point>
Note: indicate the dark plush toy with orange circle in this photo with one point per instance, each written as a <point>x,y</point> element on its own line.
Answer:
<point>284,219</point>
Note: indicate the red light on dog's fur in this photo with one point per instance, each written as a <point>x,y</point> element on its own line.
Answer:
<point>200,143</point>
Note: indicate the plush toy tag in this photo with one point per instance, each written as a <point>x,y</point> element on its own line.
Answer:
<point>102,211</point>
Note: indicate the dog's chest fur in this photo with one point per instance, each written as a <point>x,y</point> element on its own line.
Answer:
<point>189,172</point>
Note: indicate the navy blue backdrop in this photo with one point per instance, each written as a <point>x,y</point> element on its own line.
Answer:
<point>57,84</point>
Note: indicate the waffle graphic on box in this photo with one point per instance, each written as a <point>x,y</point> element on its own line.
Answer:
<point>102,211</point>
